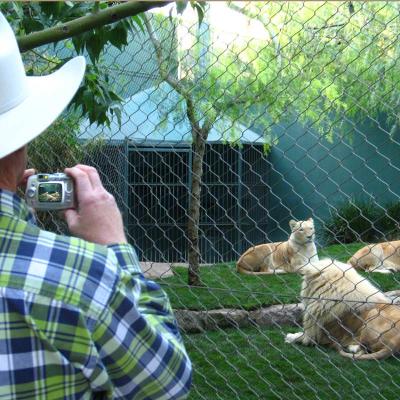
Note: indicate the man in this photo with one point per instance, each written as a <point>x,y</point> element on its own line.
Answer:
<point>77,318</point>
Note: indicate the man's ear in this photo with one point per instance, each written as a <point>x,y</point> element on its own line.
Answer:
<point>292,224</point>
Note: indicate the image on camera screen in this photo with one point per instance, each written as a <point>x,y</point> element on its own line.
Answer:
<point>50,193</point>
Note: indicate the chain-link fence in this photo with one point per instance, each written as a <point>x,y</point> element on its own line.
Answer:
<point>263,113</point>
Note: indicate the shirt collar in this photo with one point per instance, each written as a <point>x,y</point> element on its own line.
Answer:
<point>11,204</point>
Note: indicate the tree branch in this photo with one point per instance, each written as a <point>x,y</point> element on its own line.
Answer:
<point>320,28</point>
<point>48,60</point>
<point>86,23</point>
<point>177,85</point>
<point>165,75</point>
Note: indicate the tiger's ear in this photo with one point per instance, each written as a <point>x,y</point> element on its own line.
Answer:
<point>310,219</point>
<point>292,224</point>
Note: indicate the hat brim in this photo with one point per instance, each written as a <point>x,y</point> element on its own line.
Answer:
<point>48,96</point>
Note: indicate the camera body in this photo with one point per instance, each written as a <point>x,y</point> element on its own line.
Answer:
<point>50,191</point>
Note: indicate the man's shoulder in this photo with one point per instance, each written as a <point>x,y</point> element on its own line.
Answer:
<point>65,268</point>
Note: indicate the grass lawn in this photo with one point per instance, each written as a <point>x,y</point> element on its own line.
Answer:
<point>257,364</point>
<point>225,288</point>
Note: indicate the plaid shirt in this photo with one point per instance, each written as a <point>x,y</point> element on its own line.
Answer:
<point>79,321</point>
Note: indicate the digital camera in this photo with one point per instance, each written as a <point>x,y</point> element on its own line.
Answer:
<point>50,191</point>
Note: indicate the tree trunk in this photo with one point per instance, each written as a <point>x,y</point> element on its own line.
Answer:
<point>199,137</point>
<point>198,150</point>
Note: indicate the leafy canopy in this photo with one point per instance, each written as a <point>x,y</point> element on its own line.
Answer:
<point>316,62</point>
<point>326,60</point>
<point>96,97</point>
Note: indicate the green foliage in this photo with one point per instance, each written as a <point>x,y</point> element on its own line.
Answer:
<point>364,221</point>
<point>352,221</point>
<point>389,223</point>
<point>96,98</point>
<point>211,77</point>
<point>325,63</point>
<point>327,60</point>
<point>57,147</point>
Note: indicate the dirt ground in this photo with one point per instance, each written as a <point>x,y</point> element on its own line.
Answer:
<point>160,270</point>
<point>156,269</point>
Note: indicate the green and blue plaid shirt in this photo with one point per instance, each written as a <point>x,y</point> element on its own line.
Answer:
<point>79,321</point>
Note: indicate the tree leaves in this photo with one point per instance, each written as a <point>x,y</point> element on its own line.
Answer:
<point>181,6</point>
<point>96,98</point>
<point>118,36</point>
<point>200,8</point>
<point>51,8</point>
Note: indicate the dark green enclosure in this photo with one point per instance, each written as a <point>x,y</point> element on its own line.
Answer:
<point>155,200</point>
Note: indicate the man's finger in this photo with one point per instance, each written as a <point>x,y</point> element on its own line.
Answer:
<point>27,174</point>
<point>93,175</point>
<point>82,182</point>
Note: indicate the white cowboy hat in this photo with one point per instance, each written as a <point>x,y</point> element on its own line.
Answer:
<point>28,105</point>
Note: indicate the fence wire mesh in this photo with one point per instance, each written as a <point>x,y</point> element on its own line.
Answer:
<point>263,113</point>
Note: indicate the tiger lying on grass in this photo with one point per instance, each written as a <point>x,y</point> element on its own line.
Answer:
<point>356,318</point>
<point>281,257</point>
<point>380,257</point>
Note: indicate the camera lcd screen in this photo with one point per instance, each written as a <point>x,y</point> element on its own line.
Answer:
<point>50,193</point>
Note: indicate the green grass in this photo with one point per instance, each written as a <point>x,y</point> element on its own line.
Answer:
<point>341,252</point>
<point>257,364</point>
<point>225,288</point>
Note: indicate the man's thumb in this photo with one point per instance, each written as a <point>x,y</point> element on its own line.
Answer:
<point>71,218</point>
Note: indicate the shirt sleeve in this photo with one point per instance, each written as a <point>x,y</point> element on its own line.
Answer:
<point>137,337</point>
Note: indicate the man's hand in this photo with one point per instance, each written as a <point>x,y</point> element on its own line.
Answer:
<point>97,217</point>
<point>24,180</point>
